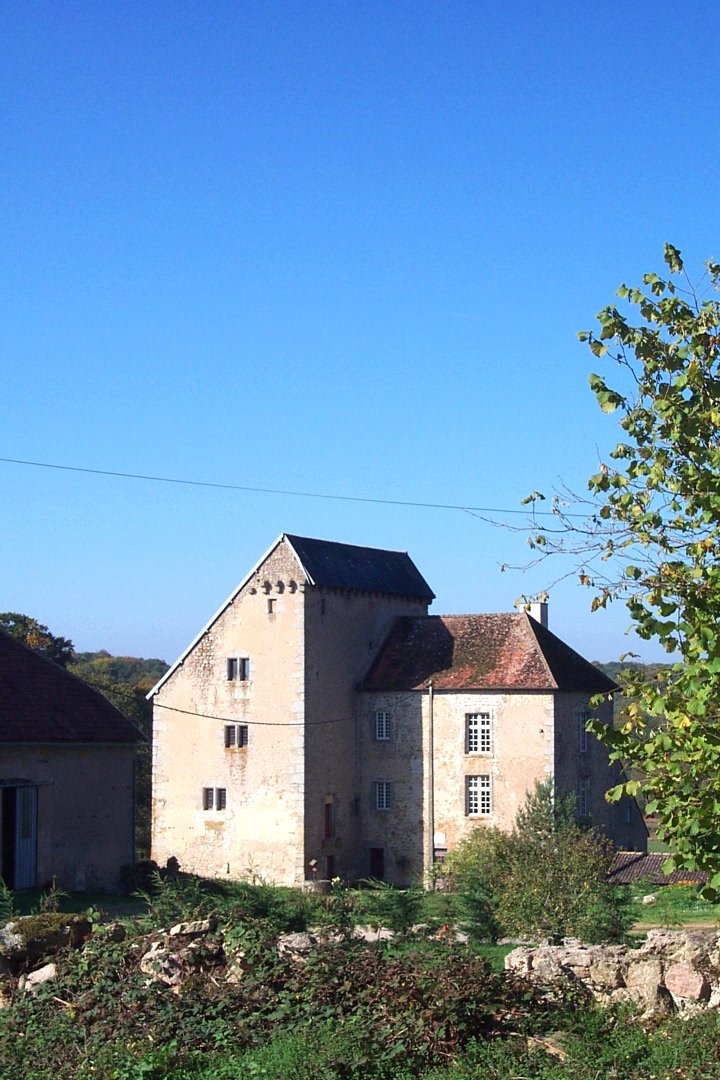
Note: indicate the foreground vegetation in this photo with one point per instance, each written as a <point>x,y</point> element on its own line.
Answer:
<point>418,1005</point>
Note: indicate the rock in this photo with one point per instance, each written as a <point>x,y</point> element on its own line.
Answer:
<point>161,966</point>
<point>30,939</point>
<point>29,983</point>
<point>683,981</point>
<point>297,946</point>
<point>194,929</point>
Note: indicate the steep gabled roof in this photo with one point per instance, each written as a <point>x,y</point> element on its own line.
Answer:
<point>480,652</point>
<point>346,566</point>
<point>325,562</point>
<point>42,703</point>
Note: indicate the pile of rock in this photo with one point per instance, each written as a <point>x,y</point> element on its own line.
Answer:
<point>26,945</point>
<point>673,970</point>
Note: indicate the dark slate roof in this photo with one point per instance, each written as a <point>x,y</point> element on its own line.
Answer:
<point>345,566</point>
<point>629,866</point>
<point>480,652</point>
<point>42,703</point>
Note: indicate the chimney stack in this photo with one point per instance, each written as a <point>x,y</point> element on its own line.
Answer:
<point>536,609</point>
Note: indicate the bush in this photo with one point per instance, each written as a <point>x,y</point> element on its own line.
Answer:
<point>546,879</point>
<point>398,910</point>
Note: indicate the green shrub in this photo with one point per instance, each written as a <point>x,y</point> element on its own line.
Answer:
<point>395,909</point>
<point>545,879</point>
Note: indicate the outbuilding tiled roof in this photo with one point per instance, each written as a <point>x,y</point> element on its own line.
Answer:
<point>347,566</point>
<point>42,703</point>
<point>629,866</point>
<point>480,652</point>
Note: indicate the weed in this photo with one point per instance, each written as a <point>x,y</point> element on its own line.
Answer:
<point>398,910</point>
<point>8,909</point>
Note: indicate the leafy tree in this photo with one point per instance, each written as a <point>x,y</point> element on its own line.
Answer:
<point>37,637</point>
<point>652,538</point>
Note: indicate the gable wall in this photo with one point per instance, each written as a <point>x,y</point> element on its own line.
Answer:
<point>261,829</point>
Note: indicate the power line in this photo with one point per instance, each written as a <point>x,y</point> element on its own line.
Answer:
<point>269,723</point>
<point>276,491</point>
<point>251,723</point>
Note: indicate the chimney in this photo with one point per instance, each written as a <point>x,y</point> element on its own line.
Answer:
<point>536,609</point>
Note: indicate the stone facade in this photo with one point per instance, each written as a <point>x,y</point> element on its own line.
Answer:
<point>288,744</point>
<point>291,792</point>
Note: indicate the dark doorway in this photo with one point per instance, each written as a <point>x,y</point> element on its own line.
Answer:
<point>18,836</point>
<point>377,863</point>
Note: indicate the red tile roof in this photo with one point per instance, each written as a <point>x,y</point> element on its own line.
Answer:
<point>42,703</point>
<point>480,652</point>
<point>629,866</point>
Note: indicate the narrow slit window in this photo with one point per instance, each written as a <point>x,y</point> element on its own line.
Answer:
<point>383,795</point>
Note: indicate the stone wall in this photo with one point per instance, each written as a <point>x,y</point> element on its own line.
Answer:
<point>672,970</point>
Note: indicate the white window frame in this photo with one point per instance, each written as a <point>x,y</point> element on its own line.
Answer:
<point>479,732</point>
<point>383,795</point>
<point>478,795</point>
<point>382,725</point>
<point>236,736</point>
<point>214,798</point>
<point>238,668</point>
<point>583,802</point>
<point>581,718</point>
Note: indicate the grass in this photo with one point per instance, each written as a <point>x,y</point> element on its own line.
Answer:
<point>675,906</point>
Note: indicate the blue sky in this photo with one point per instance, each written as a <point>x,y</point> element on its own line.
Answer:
<point>340,248</point>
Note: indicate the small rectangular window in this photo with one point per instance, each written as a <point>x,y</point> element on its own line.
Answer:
<point>271,605</point>
<point>583,803</point>
<point>383,795</point>
<point>582,718</point>
<point>382,726</point>
<point>478,733</point>
<point>478,796</point>
<point>236,736</point>
<point>238,668</point>
<point>214,798</point>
